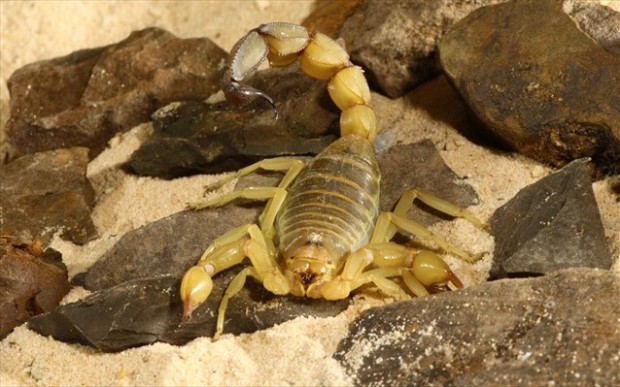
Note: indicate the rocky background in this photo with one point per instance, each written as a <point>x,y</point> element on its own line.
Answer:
<point>112,121</point>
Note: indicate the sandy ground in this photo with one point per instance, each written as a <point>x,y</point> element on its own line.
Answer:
<point>297,352</point>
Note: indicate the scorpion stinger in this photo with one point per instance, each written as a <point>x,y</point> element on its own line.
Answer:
<point>321,234</point>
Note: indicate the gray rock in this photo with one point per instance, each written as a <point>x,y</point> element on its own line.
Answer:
<point>84,98</point>
<point>552,224</point>
<point>539,83</point>
<point>420,166</point>
<point>396,41</point>
<point>144,311</point>
<point>197,137</point>
<point>561,329</point>
<point>168,246</point>
<point>47,192</point>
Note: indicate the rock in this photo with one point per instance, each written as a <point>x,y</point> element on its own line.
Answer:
<point>550,225</point>
<point>32,281</point>
<point>420,166</point>
<point>539,331</point>
<point>327,17</point>
<point>601,23</point>
<point>84,98</point>
<point>532,82</point>
<point>211,138</point>
<point>47,192</point>
<point>147,310</point>
<point>168,246</point>
<point>397,44</point>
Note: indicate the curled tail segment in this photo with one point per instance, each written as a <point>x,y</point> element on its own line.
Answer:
<point>320,57</point>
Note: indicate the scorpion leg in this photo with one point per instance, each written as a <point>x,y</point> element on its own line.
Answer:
<point>250,242</point>
<point>275,195</point>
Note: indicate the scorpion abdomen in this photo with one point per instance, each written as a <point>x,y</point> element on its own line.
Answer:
<point>335,201</point>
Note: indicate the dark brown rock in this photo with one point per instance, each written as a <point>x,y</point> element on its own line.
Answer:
<point>559,329</point>
<point>143,311</point>
<point>196,137</point>
<point>47,192</point>
<point>32,281</point>
<point>550,225</point>
<point>542,85</point>
<point>396,41</point>
<point>84,98</point>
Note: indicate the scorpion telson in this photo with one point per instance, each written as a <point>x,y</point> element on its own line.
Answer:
<point>321,234</point>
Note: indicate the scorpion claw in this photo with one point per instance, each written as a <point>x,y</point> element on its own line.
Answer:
<point>195,288</point>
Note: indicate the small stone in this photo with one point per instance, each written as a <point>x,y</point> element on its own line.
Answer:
<point>197,137</point>
<point>84,98</point>
<point>560,329</point>
<point>396,42</point>
<point>47,192</point>
<point>550,225</point>
<point>32,281</point>
<point>532,84</point>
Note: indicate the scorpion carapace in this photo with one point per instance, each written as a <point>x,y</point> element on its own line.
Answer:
<point>321,234</point>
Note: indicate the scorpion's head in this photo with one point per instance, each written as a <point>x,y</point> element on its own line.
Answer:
<point>308,266</point>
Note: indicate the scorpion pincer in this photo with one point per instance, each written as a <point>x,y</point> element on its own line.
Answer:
<point>321,234</point>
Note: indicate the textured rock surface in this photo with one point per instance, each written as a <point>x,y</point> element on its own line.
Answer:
<point>420,166</point>
<point>84,98</point>
<point>598,21</point>
<point>396,41</point>
<point>143,311</point>
<point>559,329</point>
<point>199,137</point>
<point>552,224</point>
<point>32,281</point>
<point>46,192</point>
<point>540,83</point>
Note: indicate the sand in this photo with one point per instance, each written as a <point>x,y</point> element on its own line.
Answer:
<point>297,352</point>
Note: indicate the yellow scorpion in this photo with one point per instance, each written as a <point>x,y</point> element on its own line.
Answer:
<point>321,234</point>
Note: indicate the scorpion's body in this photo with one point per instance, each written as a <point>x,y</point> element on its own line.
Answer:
<point>321,234</point>
<point>334,202</point>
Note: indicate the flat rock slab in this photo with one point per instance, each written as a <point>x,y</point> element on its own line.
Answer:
<point>540,83</point>
<point>84,98</point>
<point>550,225</point>
<point>147,310</point>
<point>397,43</point>
<point>198,137</point>
<point>559,329</point>
<point>47,192</point>
<point>32,281</point>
